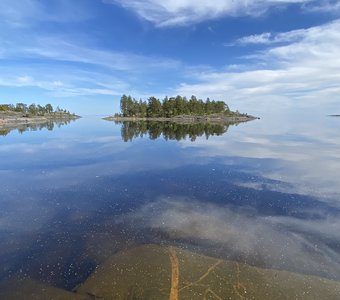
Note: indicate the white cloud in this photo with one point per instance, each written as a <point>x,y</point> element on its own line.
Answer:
<point>73,69</point>
<point>325,6</point>
<point>183,12</point>
<point>307,64</point>
<point>16,13</point>
<point>75,83</point>
<point>305,68</point>
<point>271,38</point>
<point>263,38</point>
<point>72,52</point>
<point>24,13</point>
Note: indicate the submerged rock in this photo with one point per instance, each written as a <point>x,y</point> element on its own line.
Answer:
<point>27,289</point>
<point>155,272</point>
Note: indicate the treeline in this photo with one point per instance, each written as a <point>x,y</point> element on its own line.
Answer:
<point>169,130</point>
<point>170,107</point>
<point>32,109</point>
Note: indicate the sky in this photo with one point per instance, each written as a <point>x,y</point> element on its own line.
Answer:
<point>259,56</point>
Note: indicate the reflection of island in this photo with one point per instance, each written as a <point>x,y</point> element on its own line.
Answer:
<point>170,130</point>
<point>33,117</point>
<point>49,125</point>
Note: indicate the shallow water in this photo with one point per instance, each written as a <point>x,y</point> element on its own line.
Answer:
<point>262,193</point>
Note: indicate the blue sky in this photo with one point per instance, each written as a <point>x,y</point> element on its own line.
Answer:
<point>260,55</point>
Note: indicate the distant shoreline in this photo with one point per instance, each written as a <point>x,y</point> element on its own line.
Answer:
<point>187,119</point>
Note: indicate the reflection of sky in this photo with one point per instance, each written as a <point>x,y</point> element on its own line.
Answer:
<point>266,192</point>
<point>281,242</point>
<point>304,155</point>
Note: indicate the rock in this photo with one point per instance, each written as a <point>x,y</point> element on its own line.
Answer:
<point>155,272</point>
<point>27,289</point>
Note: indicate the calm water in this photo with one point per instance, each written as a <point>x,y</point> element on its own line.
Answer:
<point>264,193</point>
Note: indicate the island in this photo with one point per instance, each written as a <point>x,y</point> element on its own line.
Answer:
<point>177,109</point>
<point>22,116</point>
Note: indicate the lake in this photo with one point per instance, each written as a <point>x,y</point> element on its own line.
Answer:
<point>245,208</point>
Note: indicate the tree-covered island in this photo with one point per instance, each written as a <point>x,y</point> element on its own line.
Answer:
<point>177,109</point>
<point>21,115</point>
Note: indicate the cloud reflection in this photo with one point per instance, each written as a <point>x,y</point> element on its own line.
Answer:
<point>305,159</point>
<point>240,233</point>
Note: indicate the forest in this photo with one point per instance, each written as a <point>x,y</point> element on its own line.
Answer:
<point>32,109</point>
<point>171,107</point>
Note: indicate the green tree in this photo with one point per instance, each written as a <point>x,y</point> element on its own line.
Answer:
<point>130,106</point>
<point>170,107</point>
<point>143,107</point>
<point>21,107</point>
<point>154,108</point>
<point>166,105</point>
<point>49,108</point>
<point>32,109</point>
<point>179,105</point>
<point>124,105</point>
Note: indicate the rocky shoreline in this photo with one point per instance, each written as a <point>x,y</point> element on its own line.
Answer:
<point>220,119</point>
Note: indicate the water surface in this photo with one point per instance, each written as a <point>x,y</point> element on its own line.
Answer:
<point>260,193</point>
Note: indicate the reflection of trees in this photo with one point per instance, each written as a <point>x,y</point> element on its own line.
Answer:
<point>4,132</point>
<point>50,125</point>
<point>169,130</point>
